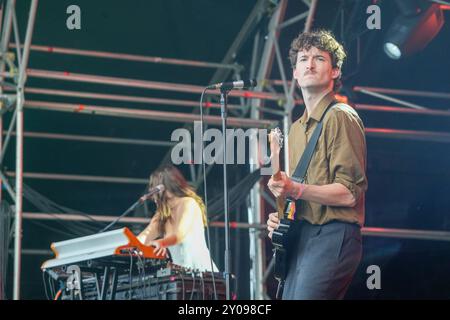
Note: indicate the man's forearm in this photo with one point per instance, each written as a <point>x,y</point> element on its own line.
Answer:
<point>334,194</point>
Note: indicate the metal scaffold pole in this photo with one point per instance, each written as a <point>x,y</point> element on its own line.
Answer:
<point>6,12</point>
<point>255,210</point>
<point>19,149</point>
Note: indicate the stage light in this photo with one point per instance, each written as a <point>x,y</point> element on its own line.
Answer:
<point>417,24</point>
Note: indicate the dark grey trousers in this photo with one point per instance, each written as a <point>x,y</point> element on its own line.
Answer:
<point>323,261</point>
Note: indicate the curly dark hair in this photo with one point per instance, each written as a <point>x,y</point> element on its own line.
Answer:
<point>322,40</point>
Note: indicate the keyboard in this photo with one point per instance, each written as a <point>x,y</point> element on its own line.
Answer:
<point>115,243</point>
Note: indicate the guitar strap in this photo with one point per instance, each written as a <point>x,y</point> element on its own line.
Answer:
<point>303,164</point>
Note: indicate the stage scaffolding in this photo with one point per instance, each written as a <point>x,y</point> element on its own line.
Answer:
<point>14,73</point>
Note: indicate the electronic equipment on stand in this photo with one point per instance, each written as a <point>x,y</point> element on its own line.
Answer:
<point>115,265</point>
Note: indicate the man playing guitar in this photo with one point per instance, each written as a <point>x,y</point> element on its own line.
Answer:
<point>330,203</point>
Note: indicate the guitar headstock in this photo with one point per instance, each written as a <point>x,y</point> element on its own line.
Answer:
<point>275,140</point>
<point>276,143</point>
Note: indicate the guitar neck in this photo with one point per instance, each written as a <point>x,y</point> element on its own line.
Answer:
<point>276,142</point>
<point>275,165</point>
<point>276,176</point>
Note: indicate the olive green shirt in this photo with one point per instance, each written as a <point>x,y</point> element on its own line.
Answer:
<point>339,157</point>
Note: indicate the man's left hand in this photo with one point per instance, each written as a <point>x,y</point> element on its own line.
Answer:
<point>285,187</point>
<point>281,188</point>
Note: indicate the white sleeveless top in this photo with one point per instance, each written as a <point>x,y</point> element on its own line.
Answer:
<point>192,252</point>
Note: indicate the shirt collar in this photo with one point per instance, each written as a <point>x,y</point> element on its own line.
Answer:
<point>319,110</point>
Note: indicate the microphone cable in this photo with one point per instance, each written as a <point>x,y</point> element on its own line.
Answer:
<point>206,194</point>
<point>130,289</point>
<point>45,285</point>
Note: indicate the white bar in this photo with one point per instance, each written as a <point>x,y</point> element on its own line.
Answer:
<point>409,134</point>
<point>407,233</point>
<point>72,137</point>
<point>414,93</point>
<point>145,114</point>
<point>293,20</point>
<point>86,218</point>
<point>145,84</point>
<point>115,97</point>
<point>381,108</point>
<point>74,177</point>
<point>310,18</point>
<point>366,231</point>
<point>19,150</point>
<point>34,252</point>
<point>395,100</point>
<point>132,57</point>
<point>254,212</point>
<point>238,225</point>
<point>6,14</point>
<point>124,220</point>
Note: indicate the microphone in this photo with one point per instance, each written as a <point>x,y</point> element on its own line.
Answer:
<point>159,188</point>
<point>152,191</point>
<point>241,84</point>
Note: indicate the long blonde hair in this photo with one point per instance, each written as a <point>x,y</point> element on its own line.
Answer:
<point>173,181</point>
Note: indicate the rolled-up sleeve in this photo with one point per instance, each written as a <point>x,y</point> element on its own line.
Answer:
<point>346,150</point>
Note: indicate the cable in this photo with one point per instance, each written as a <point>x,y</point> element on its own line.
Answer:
<point>6,237</point>
<point>141,278</point>
<point>131,268</point>
<point>182,283</point>
<point>45,286</point>
<point>237,194</point>
<point>208,238</point>
<point>142,283</point>
<point>30,192</point>
<point>143,271</point>
<point>65,233</point>
<point>193,285</point>
<point>52,288</point>
<point>58,294</point>
<point>144,292</point>
<point>46,205</point>
<point>203,285</point>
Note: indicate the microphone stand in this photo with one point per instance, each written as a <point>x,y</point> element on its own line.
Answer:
<point>130,209</point>
<point>223,108</point>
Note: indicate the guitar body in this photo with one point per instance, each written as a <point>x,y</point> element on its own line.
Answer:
<point>283,237</point>
<point>282,240</point>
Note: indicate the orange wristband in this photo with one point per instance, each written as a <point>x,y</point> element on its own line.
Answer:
<point>299,193</point>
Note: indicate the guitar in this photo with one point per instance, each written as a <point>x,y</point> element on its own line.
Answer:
<point>281,237</point>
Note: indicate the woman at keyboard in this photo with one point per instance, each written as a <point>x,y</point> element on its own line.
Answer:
<point>179,222</point>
